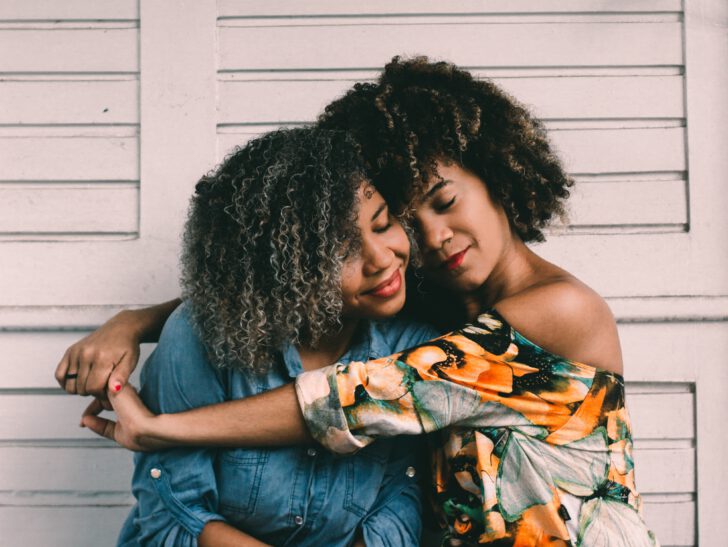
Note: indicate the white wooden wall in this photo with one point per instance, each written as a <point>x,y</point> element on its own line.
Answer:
<point>110,110</point>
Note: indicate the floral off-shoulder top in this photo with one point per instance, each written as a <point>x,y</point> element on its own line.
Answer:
<point>533,449</point>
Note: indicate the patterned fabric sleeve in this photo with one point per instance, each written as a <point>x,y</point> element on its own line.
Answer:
<point>471,377</point>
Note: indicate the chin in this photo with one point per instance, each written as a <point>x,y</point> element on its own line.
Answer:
<point>388,309</point>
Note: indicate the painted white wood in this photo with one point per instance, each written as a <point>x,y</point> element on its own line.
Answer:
<point>582,44</point>
<point>672,521</point>
<point>620,203</point>
<point>621,150</point>
<point>71,157</point>
<point>28,10</point>
<point>662,415</point>
<point>258,8</point>
<point>706,56</point>
<point>66,469</point>
<point>68,208</point>
<point>69,50</point>
<point>285,101</point>
<point>665,470</point>
<point>62,526</point>
<point>82,101</point>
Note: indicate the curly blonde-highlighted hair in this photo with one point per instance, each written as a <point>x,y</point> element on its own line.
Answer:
<point>262,247</point>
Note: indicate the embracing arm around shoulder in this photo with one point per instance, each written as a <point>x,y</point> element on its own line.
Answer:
<point>415,391</point>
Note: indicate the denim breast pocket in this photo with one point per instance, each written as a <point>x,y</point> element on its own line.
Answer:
<point>239,475</point>
<point>364,474</point>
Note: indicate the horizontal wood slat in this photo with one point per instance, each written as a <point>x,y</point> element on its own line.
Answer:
<point>62,526</point>
<point>28,10</point>
<point>68,208</point>
<point>587,97</point>
<point>631,203</point>
<point>52,158</point>
<point>69,50</point>
<point>69,102</point>
<point>260,8</point>
<point>539,44</point>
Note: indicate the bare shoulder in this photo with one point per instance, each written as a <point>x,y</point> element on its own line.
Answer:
<point>566,317</point>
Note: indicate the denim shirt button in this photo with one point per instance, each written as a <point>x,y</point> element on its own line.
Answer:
<point>298,520</point>
<point>311,452</point>
<point>411,472</point>
<point>155,473</point>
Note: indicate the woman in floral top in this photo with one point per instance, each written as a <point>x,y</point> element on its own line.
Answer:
<point>531,439</point>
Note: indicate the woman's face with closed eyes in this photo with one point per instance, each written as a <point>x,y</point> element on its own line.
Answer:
<point>462,232</point>
<point>372,279</point>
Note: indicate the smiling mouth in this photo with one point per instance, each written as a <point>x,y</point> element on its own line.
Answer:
<point>389,287</point>
<point>454,261</point>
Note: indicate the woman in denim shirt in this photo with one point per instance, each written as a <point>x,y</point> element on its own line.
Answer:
<point>291,262</point>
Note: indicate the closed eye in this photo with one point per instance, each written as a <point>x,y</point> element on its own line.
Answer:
<point>445,206</point>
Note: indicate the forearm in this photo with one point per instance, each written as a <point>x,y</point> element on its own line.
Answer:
<point>272,418</point>
<point>220,534</point>
<point>148,322</point>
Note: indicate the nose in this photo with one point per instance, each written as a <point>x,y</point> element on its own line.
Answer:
<point>433,233</point>
<point>377,257</point>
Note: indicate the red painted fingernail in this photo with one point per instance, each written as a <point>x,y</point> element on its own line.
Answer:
<point>117,387</point>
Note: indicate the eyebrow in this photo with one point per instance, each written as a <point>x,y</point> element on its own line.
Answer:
<point>432,191</point>
<point>382,207</point>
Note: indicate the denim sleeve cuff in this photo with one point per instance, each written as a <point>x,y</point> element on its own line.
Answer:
<point>191,517</point>
<point>318,396</point>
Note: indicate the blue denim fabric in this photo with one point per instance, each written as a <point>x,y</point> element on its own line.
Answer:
<point>282,496</point>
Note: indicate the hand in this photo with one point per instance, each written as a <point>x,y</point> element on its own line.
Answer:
<point>135,422</point>
<point>106,357</point>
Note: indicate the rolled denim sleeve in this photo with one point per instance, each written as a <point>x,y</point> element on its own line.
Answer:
<point>176,489</point>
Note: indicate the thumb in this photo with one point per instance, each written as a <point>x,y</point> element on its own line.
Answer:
<point>100,426</point>
<point>122,370</point>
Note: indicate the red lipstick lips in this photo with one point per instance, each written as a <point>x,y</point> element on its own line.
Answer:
<point>389,287</point>
<point>454,261</point>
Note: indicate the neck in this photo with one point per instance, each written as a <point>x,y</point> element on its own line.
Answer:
<point>330,347</point>
<point>515,270</point>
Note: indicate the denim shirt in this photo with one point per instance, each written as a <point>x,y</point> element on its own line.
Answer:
<point>282,496</point>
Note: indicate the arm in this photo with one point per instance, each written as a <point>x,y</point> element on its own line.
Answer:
<point>220,534</point>
<point>108,355</point>
<point>177,489</point>
<point>272,418</point>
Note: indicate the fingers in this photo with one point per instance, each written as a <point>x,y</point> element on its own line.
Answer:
<point>94,408</point>
<point>100,426</point>
<point>71,376</point>
<point>98,376</point>
<point>120,375</point>
<point>62,368</point>
<point>67,371</point>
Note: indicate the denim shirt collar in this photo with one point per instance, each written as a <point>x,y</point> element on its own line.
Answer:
<point>368,343</point>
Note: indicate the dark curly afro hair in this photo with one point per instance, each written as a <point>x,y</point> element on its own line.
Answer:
<point>420,112</point>
<point>263,244</point>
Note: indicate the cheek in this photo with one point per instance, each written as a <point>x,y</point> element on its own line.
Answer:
<point>350,280</point>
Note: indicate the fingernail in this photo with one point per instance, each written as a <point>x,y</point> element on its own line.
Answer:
<point>116,386</point>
